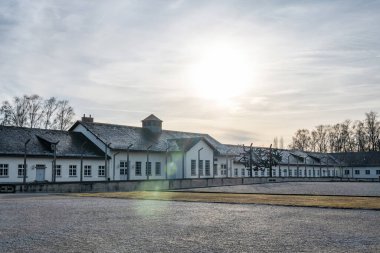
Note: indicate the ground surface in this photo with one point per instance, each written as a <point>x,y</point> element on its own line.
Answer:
<point>43,223</point>
<point>352,202</point>
<point>316,188</point>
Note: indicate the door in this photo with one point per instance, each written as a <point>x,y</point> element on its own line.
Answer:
<point>40,174</point>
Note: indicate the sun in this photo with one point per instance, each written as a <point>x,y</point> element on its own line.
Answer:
<point>221,72</point>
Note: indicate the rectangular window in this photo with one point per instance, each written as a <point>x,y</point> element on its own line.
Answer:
<point>256,173</point>
<point>357,172</point>
<point>290,173</point>
<point>207,167</point>
<point>215,168</point>
<point>236,172</point>
<point>101,171</point>
<point>274,172</point>
<point>58,170</point>
<point>87,171</point>
<point>4,170</point>
<point>200,167</point>
<point>123,167</point>
<point>243,172</point>
<point>377,172</point>
<point>138,169</point>
<point>148,168</point>
<point>262,173</point>
<point>193,165</point>
<point>72,170</point>
<point>367,172</point>
<point>20,170</point>
<point>158,169</point>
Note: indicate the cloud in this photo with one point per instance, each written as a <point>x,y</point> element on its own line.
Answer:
<point>120,60</point>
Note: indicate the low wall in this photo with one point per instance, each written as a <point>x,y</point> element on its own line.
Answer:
<point>159,185</point>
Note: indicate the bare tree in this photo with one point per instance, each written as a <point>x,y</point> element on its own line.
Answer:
<point>50,106</point>
<point>301,140</point>
<point>275,142</point>
<point>372,129</point>
<point>35,112</point>
<point>65,114</point>
<point>281,142</point>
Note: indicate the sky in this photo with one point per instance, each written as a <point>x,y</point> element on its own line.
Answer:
<point>241,71</point>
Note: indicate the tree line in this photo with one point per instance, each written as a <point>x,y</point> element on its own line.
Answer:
<point>347,136</point>
<point>36,112</point>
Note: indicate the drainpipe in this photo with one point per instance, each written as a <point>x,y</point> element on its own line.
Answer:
<point>24,176</point>
<point>166,160</point>
<point>199,162</point>
<point>128,166</point>
<point>81,160</point>
<point>147,163</point>
<point>105,161</point>
<point>114,155</point>
<point>55,161</point>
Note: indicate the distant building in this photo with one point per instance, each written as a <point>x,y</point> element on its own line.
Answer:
<point>92,151</point>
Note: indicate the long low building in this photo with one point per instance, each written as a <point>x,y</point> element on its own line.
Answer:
<point>92,151</point>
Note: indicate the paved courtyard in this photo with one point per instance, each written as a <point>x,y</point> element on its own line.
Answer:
<point>317,188</point>
<point>54,223</point>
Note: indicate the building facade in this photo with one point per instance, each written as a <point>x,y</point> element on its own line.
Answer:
<point>92,151</point>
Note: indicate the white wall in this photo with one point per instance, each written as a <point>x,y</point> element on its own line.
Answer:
<point>206,154</point>
<point>13,163</point>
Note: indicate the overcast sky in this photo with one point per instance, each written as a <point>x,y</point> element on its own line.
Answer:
<point>241,71</point>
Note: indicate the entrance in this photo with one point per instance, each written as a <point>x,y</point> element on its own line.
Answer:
<point>40,172</point>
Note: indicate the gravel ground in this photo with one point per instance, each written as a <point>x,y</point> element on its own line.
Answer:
<point>51,223</point>
<point>317,188</point>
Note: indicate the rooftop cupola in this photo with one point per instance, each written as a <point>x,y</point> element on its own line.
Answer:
<point>152,123</point>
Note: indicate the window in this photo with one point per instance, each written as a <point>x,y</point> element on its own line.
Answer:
<point>101,171</point>
<point>58,170</point>
<point>290,173</point>
<point>20,171</point>
<point>250,173</point>
<point>87,170</point>
<point>193,165</point>
<point>72,170</point>
<point>367,172</point>
<point>148,168</point>
<point>123,167</point>
<point>215,168</point>
<point>138,169</point>
<point>4,170</point>
<point>200,167</point>
<point>207,167</point>
<point>236,172</point>
<point>268,173</point>
<point>274,172</point>
<point>309,173</point>
<point>256,173</point>
<point>377,172</point>
<point>158,169</point>
<point>357,172</point>
<point>242,172</point>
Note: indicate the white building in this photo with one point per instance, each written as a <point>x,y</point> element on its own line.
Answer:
<point>92,151</point>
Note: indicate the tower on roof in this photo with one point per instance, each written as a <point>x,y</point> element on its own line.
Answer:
<point>152,123</point>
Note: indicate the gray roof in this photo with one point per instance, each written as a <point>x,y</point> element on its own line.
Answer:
<point>121,137</point>
<point>12,142</point>
<point>364,159</point>
<point>293,156</point>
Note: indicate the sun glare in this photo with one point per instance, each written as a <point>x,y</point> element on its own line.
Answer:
<point>221,73</point>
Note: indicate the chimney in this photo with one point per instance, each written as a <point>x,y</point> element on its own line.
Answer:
<point>87,119</point>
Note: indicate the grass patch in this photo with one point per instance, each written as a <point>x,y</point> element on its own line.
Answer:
<point>271,199</point>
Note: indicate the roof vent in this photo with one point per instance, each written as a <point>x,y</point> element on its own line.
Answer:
<point>152,123</point>
<point>87,119</point>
